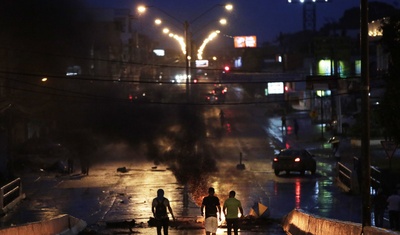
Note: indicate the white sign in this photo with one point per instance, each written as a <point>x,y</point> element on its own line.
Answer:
<point>276,88</point>
<point>201,63</point>
<point>159,52</point>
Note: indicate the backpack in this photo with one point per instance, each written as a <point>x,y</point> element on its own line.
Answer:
<point>161,209</point>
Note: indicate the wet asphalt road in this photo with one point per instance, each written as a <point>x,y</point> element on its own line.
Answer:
<point>108,195</point>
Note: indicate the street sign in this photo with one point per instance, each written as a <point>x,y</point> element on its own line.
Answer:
<point>389,147</point>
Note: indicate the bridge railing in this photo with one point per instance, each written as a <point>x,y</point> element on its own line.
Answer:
<point>10,194</point>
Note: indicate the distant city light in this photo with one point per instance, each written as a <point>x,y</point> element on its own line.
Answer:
<point>374,28</point>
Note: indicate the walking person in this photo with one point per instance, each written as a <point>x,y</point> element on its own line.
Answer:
<point>159,208</point>
<point>283,119</point>
<point>222,117</point>
<point>212,210</point>
<point>231,208</point>
<point>379,202</point>
<point>393,207</point>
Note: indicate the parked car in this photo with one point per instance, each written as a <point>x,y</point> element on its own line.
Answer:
<point>299,160</point>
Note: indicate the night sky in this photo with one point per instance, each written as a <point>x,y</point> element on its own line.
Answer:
<point>263,18</point>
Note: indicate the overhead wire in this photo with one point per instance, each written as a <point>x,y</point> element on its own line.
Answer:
<point>103,79</point>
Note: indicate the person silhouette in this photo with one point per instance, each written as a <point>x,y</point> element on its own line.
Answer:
<point>222,117</point>
<point>159,208</point>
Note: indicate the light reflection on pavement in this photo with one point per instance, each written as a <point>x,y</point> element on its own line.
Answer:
<point>108,195</point>
<point>315,194</point>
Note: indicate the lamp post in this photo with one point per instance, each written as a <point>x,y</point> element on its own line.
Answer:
<point>187,36</point>
<point>187,58</point>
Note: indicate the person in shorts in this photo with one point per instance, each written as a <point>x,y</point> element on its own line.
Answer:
<point>212,212</point>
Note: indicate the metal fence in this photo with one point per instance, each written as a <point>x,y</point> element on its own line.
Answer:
<point>10,194</point>
<point>345,175</point>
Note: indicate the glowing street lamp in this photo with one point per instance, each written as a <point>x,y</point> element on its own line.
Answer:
<point>178,38</point>
<point>223,21</point>
<point>157,21</point>
<point>142,9</point>
<point>187,39</point>
<point>205,42</point>
<point>208,39</point>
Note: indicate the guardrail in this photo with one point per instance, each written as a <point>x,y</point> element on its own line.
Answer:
<point>376,176</point>
<point>10,194</point>
<point>344,176</point>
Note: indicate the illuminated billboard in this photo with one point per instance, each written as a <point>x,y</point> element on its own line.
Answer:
<point>276,88</point>
<point>159,52</point>
<point>201,63</point>
<point>245,41</point>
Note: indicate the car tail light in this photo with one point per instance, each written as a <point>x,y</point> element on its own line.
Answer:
<point>297,159</point>
<point>275,159</point>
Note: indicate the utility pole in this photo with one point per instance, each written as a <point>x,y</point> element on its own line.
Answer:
<point>365,112</point>
<point>187,59</point>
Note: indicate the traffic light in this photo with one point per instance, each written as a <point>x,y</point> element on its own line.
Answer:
<point>226,68</point>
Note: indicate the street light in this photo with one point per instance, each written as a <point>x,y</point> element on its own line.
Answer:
<point>208,39</point>
<point>187,38</point>
<point>205,42</point>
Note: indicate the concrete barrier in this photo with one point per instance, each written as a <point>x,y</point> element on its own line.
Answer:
<point>60,225</point>
<point>298,222</point>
